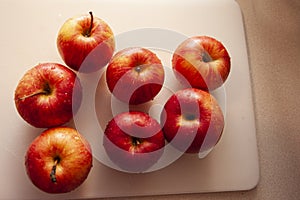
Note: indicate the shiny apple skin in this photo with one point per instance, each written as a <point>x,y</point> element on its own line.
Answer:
<point>82,52</point>
<point>44,95</point>
<point>121,136</point>
<point>75,160</point>
<point>135,75</point>
<point>190,117</point>
<point>203,61</point>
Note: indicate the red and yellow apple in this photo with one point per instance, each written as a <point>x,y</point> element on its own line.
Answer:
<point>192,121</point>
<point>134,141</point>
<point>44,95</point>
<point>58,160</point>
<point>135,75</point>
<point>203,61</point>
<point>85,43</point>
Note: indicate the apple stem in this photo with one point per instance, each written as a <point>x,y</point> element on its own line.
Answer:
<point>33,94</point>
<point>46,91</point>
<point>88,34</point>
<point>53,171</point>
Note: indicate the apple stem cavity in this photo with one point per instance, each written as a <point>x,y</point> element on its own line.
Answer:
<point>89,31</point>
<point>138,69</point>
<point>190,117</point>
<point>136,141</point>
<point>45,91</point>
<point>206,57</point>
<point>53,170</point>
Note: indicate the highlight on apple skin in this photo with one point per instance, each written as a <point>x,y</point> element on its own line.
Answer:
<point>44,95</point>
<point>135,75</point>
<point>203,61</point>
<point>86,43</point>
<point>58,160</point>
<point>192,121</point>
<point>134,141</point>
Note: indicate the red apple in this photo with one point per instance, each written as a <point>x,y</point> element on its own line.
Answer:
<point>133,141</point>
<point>135,75</point>
<point>192,121</point>
<point>44,95</point>
<point>203,61</point>
<point>59,160</point>
<point>85,43</point>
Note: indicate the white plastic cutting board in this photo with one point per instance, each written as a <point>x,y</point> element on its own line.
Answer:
<point>28,37</point>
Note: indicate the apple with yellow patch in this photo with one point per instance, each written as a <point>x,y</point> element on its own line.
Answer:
<point>58,160</point>
<point>86,43</point>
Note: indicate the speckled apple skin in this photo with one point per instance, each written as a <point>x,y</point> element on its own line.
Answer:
<point>202,61</point>
<point>204,128</point>
<point>41,109</point>
<point>81,52</point>
<point>130,84</point>
<point>75,162</point>
<point>118,139</point>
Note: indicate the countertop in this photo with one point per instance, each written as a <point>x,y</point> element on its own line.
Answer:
<point>272,31</point>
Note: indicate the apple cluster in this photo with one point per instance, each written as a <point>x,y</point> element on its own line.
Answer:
<point>191,121</point>
<point>50,94</point>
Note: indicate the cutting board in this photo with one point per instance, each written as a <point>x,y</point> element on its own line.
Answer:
<point>28,37</point>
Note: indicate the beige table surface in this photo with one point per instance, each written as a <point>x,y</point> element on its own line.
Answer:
<point>273,36</point>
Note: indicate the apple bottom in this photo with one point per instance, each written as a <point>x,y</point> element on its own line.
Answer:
<point>95,60</point>
<point>59,160</point>
<point>192,121</point>
<point>131,162</point>
<point>136,94</point>
<point>193,141</point>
